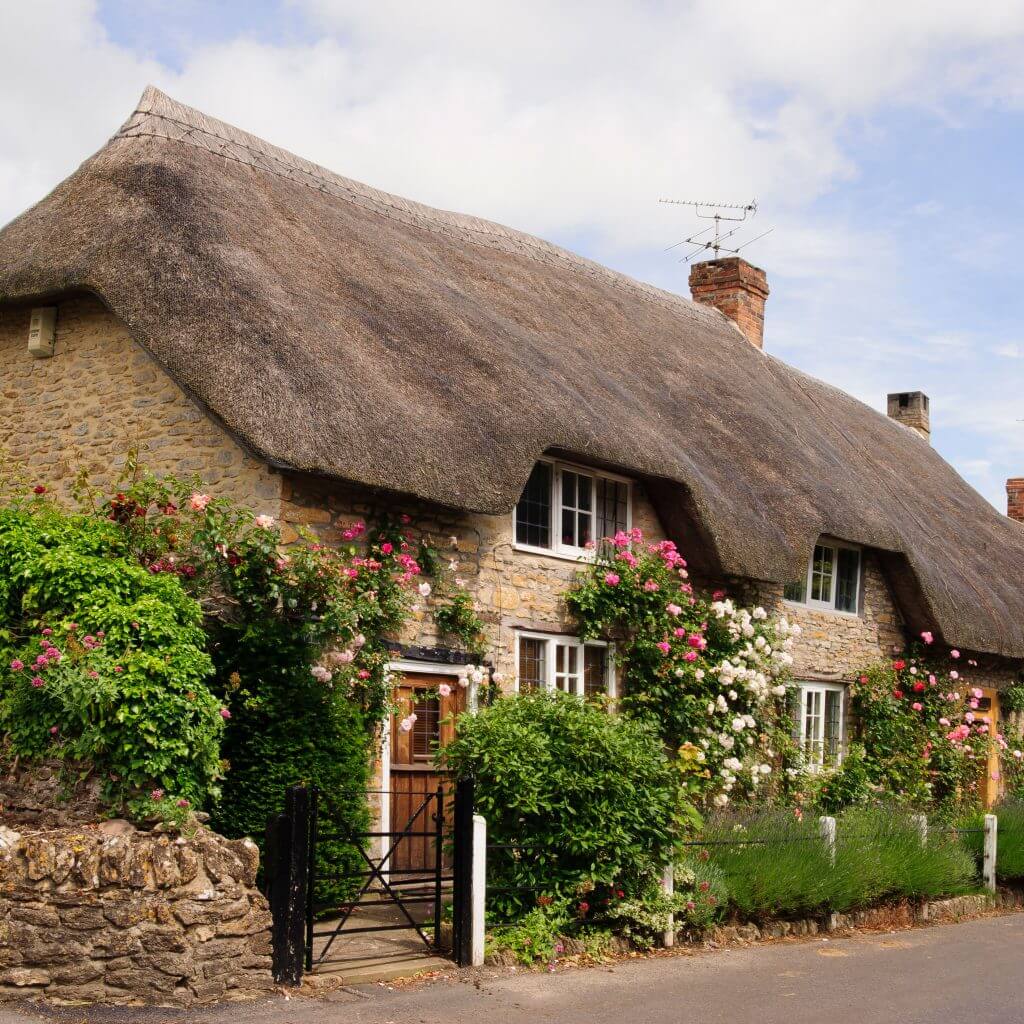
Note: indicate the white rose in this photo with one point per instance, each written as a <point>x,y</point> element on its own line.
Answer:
<point>424,589</point>
<point>738,724</point>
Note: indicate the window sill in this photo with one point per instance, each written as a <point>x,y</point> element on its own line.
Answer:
<point>824,610</point>
<point>581,558</point>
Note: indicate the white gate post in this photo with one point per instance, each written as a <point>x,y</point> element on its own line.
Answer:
<point>988,863</point>
<point>921,821</point>
<point>827,827</point>
<point>668,886</point>
<point>479,898</point>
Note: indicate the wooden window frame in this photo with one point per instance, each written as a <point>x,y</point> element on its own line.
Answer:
<point>557,549</point>
<point>555,640</point>
<point>835,546</point>
<point>811,686</point>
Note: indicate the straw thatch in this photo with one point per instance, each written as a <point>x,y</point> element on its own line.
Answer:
<point>342,331</point>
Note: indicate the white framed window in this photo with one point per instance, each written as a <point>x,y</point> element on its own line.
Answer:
<point>546,661</point>
<point>565,509</point>
<point>833,577</point>
<point>818,722</point>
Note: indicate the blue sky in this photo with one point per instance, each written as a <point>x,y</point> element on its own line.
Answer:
<point>883,143</point>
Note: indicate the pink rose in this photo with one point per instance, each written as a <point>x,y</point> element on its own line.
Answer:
<point>17,665</point>
<point>954,653</point>
<point>157,794</point>
<point>612,579</point>
<point>927,637</point>
<point>444,689</point>
<point>673,609</point>
<point>37,681</point>
<point>386,548</point>
<point>650,586</point>
<point>224,713</point>
<point>198,502</point>
<point>690,656</point>
<point>664,647</point>
<point>917,706</point>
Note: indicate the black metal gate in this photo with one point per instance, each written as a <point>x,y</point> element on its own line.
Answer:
<point>293,871</point>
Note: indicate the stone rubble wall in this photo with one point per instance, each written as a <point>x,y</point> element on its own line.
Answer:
<point>104,913</point>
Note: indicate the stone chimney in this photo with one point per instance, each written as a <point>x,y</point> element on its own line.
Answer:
<point>911,409</point>
<point>1015,498</point>
<point>735,287</point>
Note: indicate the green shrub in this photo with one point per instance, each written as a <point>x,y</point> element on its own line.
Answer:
<point>287,728</point>
<point>849,785</point>
<point>126,688</point>
<point>1009,838</point>
<point>774,863</point>
<point>588,799</point>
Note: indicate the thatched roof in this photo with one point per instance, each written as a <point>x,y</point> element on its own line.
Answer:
<point>342,331</point>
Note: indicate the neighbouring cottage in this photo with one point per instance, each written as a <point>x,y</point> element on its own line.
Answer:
<point>326,352</point>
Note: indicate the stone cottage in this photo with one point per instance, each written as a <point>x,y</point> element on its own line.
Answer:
<point>324,352</point>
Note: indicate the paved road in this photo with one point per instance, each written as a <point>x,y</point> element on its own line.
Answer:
<point>968,973</point>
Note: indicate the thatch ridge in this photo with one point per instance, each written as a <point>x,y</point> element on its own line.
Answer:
<point>344,332</point>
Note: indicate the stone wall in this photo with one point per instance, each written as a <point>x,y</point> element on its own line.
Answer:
<point>106,913</point>
<point>101,394</point>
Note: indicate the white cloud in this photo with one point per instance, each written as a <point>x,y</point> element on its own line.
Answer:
<point>571,118</point>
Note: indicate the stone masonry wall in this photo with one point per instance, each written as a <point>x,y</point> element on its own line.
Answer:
<point>99,395</point>
<point>106,913</point>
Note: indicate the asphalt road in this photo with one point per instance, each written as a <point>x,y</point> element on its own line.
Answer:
<point>968,973</point>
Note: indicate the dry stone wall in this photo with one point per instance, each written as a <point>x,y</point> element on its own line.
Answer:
<point>107,913</point>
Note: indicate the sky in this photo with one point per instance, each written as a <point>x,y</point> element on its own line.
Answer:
<point>883,143</point>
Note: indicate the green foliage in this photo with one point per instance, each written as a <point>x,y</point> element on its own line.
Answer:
<point>1012,698</point>
<point>458,618</point>
<point>588,799</point>
<point>536,935</point>
<point>710,675</point>
<point>915,718</point>
<point>849,785</point>
<point>1009,838</point>
<point>122,679</point>
<point>775,863</point>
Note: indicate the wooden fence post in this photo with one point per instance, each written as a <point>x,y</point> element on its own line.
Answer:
<point>479,898</point>
<point>827,828</point>
<point>668,887</point>
<point>988,863</point>
<point>921,821</point>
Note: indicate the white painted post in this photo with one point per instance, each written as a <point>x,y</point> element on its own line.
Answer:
<point>827,827</point>
<point>479,897</point>
<point>668,886</point>
<point>921,821</point>
<point>988,863</point>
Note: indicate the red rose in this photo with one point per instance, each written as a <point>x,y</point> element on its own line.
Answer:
<point>899,665</point>
<point>39,489</point>
<point>898,694</point>
<point>584,907</point>
<point>918,687</point>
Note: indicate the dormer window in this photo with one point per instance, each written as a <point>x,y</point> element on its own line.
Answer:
<point>566,509</point>
<point>833,579</point>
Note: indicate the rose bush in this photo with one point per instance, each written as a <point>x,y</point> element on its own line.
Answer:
<point>711,675</point>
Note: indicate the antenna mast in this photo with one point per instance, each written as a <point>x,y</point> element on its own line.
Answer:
<point>718,212</point>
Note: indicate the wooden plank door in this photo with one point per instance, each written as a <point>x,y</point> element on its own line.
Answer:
<point>413,774</point>
<point>989,784</point>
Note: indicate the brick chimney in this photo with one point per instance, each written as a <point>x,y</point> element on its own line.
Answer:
<point>911,409</point>
<point>735,287</point>
<point>1015,498</point>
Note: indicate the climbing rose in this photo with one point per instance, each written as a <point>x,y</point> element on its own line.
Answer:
<point>264,522</point>
<point>927,637</point>
<point>673,609</point>
<point>954,653</point>
<point>39,489</point>
<point>664,647</point>
<point>444,689</point>
<point>198,502</point>
<point>224,713</point>
<point>612,579</point>
<point>386,548</point>
<point>157,794</point>
<point>916,706</point>
<point>424,589</point>
<point>17,665</point>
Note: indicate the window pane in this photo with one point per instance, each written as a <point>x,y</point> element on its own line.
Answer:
<point>821,573</point>
<point>847,579</point>
<point>832,725</point>
<point>567,667</point>
<point>577,517</point>
<point>426,730</point>
<point>595,671</point>
<point>533,663</point>
<point>611,505</point>
<point>533,513</point>
<point>813,732</point>
<point>796,591</point>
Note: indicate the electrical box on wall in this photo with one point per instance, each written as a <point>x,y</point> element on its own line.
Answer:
<point>42,332</point>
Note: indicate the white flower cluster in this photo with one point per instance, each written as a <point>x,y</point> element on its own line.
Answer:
<point>751,675</point>
<point>474,674</point>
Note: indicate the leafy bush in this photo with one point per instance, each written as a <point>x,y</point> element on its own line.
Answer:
<point>587,799</point>
<point>775,863</point>
<point>849,785</point>
<point>102,659</point>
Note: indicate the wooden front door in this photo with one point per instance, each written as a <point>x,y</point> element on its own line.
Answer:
<point>413,774</point>
<point>988,712</point>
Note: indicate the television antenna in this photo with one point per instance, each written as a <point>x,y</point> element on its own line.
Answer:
<point>720,213</point>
